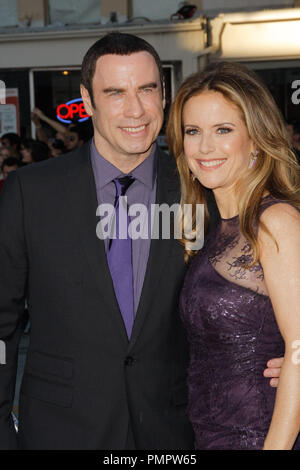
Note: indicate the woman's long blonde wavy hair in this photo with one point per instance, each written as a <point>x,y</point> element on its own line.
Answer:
<point>276,169</point>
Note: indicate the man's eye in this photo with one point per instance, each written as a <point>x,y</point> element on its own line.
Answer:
<point>224,130</point>
<point>115,93</point>
<point>191,131</point>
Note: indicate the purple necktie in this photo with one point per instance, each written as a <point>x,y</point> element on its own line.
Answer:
<point>119,256</point>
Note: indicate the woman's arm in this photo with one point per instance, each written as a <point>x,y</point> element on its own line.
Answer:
<point>282,276</point>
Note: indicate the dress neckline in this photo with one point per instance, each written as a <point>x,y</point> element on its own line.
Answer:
<point>230,218</point>
<point>237,216</point>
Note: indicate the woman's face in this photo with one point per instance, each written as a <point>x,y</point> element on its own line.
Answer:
<point>216,141</point>
<point>26,155</point>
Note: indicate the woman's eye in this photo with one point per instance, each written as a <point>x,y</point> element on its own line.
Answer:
<point>224,130</point>
<point>191,131</point>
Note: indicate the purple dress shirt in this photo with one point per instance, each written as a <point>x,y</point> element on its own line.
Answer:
<point>142,191</point>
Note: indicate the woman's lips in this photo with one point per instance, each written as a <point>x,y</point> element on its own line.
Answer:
<point>208,165</point>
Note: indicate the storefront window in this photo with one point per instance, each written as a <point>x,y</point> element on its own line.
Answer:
<point>54,88</point>
<point>15,114</point>
<point>74,11</point>
<point>8,13</point>
<point>280,82</point>
<point>146,9</point>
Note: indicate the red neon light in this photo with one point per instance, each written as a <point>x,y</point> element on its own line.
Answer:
<point>65,111</point>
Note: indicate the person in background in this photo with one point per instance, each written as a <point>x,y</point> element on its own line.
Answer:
<point>296,139</point>
<point>75,138</point>
<point>60,130</point>
<point>56,147</point>
<point>6,152</point>
<point>8,165</point>
<point>34,151</point>
<point>11,140</point>
<point>293,131</point>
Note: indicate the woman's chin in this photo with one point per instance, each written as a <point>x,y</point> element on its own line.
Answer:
<point>208,184</point>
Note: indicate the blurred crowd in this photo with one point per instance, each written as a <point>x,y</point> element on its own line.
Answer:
<point>293,129</point>
<point>52,139</point>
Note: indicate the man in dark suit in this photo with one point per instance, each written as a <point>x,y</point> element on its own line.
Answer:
<point>91,381</point>
<point>106,365</point>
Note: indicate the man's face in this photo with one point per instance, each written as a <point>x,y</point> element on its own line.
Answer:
<point>7,170</point>
<point>72,141</point>
<point>4,153</point>
<point>5,142</point>
<point>128,113</point>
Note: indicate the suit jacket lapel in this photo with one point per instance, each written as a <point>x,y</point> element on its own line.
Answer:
<point>168,191</point>
<point>81,194</point>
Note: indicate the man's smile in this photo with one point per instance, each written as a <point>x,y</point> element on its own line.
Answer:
<point>138,130</point>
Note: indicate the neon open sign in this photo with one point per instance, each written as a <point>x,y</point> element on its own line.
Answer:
<point>67,111</point>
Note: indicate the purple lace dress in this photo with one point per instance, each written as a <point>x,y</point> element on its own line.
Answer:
<point>232,334</point>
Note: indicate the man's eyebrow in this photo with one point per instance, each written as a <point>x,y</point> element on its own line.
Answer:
<point>121,90</point>
<point>113,89</point>
<point>148,85</point>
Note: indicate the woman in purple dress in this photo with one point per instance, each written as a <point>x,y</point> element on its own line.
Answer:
<point>241,298</point>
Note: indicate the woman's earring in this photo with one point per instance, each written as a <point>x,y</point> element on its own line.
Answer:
<point>253,158</point>
<point>193,176</point>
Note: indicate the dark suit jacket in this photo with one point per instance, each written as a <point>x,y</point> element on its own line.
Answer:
<point>83,381</point>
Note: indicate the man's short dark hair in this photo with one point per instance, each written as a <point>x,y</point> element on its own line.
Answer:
<point>118,44</point>
<point>14,139</point>
<point>11,161</point>
<point>83,131</point>
<point>39,150</point>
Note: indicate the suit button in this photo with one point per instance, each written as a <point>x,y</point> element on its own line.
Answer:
<point>129,360</point>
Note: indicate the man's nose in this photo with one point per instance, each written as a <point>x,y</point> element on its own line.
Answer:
<point>133,106</point>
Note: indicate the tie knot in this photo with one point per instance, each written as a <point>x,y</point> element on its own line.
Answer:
<point>123,183</point>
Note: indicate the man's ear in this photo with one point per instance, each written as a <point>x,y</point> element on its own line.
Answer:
<point>86,100</point>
